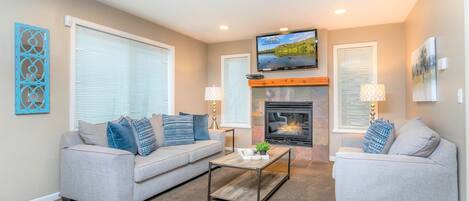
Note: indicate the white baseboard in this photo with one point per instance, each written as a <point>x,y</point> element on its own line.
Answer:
<point>332,158</point>
<point>50,197</point>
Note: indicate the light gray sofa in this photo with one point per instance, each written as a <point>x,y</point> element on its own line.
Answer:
<point>370,177</point>
<point>96,173</point>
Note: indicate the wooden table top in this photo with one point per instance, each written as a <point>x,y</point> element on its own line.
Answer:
<point>234,160</point>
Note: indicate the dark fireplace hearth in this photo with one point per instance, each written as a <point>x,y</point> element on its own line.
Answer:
<point>289,123</point>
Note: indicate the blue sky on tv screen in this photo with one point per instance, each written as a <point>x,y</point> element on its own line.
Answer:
<point>269,42</point>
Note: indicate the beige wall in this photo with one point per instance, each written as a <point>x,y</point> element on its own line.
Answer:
<point>391,69</point>
<point>29,144</point>
<point>215,51</point>
<point>445,21</point>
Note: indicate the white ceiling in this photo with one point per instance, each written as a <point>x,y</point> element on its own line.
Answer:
<point>200,19</point>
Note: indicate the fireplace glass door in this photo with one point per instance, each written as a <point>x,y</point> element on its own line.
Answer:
<point>289,123</point>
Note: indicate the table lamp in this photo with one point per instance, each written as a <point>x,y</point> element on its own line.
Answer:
<point>372,93</point>
<point>213,94</point>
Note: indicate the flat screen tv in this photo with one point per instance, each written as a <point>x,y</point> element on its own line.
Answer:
<point>289,51</point>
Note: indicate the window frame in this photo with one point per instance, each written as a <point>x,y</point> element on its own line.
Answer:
<point>73,22</point>
<point>374,69</point>
<point>222,121</point>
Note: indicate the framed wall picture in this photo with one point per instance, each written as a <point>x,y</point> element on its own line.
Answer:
<point>31,69</point>
<point>424,72</point>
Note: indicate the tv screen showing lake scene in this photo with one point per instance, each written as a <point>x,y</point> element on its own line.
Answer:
<point>288,51</point>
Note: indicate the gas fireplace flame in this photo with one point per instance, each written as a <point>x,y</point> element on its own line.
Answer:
<point>292,127</point>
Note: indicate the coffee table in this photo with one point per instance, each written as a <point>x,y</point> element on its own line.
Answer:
<point>257,183</point>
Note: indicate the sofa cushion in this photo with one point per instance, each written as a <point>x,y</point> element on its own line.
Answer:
<point>159,162</point>
<point>200,149</point>
<point>157,124</point>
<point>144,136</point>
<point>121,136</point>
<point>200,126</point>
<point>93,134</point>
<point>178,130</point>
<point>415,139</point>
<point>379,137</point>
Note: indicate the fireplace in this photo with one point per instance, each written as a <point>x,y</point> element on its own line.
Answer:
<point>289,123</point>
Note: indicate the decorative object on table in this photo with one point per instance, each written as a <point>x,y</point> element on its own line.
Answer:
<point>424,66</point>
<point>31,70</point>
<point>250,154</point>
<point>262,148</point>
<point>254,76</point>
<point>213,94</point>
<point>379,137</point>
<point>200,126</point>
<point>372,93</point>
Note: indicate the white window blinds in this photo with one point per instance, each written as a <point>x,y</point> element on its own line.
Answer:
<point>116,76</point>
<point>236,92</point>
<point>355,65</point>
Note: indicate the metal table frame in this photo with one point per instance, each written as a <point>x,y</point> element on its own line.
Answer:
<point>232,130</point>
<point>258,174</point>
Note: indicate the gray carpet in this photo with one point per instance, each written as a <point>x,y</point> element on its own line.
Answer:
<point>309,181</point>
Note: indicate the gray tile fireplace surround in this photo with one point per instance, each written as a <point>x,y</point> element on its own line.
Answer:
<point>319,95</point>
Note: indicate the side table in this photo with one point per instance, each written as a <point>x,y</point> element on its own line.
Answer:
<point>232,130</point>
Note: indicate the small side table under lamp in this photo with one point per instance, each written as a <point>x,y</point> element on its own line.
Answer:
<point>213,94</point>
<point>372,93</point>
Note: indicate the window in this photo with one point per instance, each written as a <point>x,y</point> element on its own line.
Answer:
<point>236,103</point>
<point>354,64</point>
<point>115,74</point>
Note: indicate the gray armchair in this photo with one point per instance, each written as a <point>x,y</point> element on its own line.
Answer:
<point>369,177</point>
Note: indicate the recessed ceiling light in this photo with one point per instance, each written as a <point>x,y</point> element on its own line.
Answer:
<point>340,11</point>
<point>284,29</point>
<point>223,27</point>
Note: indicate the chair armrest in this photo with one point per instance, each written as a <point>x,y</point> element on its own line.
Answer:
<point>96,173</point>
<point>383,158</point>
<point>218,135</point>
<point>352,140</point>
<point>367,177</point>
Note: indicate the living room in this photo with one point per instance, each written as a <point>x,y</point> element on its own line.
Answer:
<point>189,100</point>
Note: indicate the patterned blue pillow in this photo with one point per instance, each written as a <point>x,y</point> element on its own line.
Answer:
<point>144,136</point>
<point>200,126</point>
<point>121,136</point>
<point>178,130</point>
<point>379,137</point>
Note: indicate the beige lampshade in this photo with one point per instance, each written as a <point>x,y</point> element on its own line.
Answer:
<point>372,92</point>
<point>212,93</point>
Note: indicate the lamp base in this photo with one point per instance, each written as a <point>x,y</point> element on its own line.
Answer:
<point>372,112</point>
<point>214,125</point>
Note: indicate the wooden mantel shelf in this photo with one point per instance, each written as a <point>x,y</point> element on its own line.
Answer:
<point>288,82</point>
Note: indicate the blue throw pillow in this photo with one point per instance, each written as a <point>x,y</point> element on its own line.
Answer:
<point>120,136</point>
<point>379,137</point>
<point>200,126</point>
<point>144,136</point>
<point>178,130</point>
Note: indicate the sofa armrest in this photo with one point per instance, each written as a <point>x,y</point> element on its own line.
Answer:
<point>352,140</point>
<point>367,177</point>
<point>96,173</point>
<point>218,135</point>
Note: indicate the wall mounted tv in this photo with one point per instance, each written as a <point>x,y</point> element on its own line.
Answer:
<point>289,51</point>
